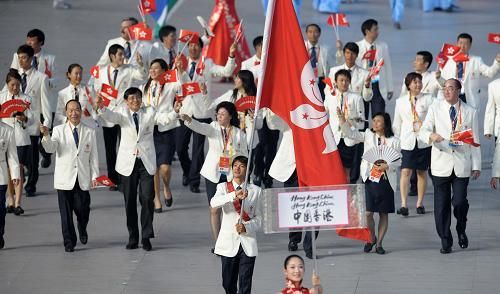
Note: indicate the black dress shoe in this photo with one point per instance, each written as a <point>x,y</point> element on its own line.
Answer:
<point>18,210</point>
<point>380,250</point>
<point>463,241</point>
<point>194,189</point>
<point>146,245</point>
<point>368,247</point>
<point>2,243</point>
<point>420,210</point>
<point>131,245</point>
<point>445,250</point>
<point>403,211</point>
<point>46,161</point>
<point>158,210</point>
<point>69,248</point>
<point>185,181</point>
<point>309,255</point>
<point>292,246</point>
<point>10,209</point>
<point>169,201</point>
<point>84,237</point>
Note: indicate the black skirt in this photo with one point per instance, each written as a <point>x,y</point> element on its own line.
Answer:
<point>379,196</point>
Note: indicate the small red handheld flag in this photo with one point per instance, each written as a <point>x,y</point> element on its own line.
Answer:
<point>449,49</point>
<point>140,32</point>
<point>466,136</point>
<point>376,69</point>
<point>441,60</point>
<point>105,181</point>
<point>10,107</point>
<point>170,76</point>
<point>147,6</point>
<point>337,19</point>
<point>370,54</point>
<point>494,38</point>
<point>190,89</point>
<point>460,57</point>
<point>188,36</point>
<point>48,72</point>
<point>94,71</point>
<point>245,103</point>
<point>107,93</point>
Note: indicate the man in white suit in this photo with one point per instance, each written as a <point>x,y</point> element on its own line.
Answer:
<point>136,161</point>
<point>432,82</point>
<point>318,55</point>
<point>201,72</point>
<point>237,240</point>
<point>469,72</point>
<point>492,113</point>
<point>8,155</point>
<point>165,48</point>
<point>452,162</point>
<point>382,85</point>
<point>77,167</point>
<point>34,84</point>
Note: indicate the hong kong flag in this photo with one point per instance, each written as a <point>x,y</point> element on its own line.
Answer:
<point>494,38</point>
<point>370,55</point>
<point>299,104</point>
<point>337,19</point>
<point>449,49</point>
<point>94,71</point>
<point>170,76</point>
<point>190,89</point>
<point>140,32</point>
<point>105,181</point>
<point>148,6</point>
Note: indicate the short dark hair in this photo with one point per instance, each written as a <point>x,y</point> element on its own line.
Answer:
<point>258,41</point>
<point>72,66</point>
<point>457,83</point>
<point>427,56</point>
<point>113,49</point>
<point>313,25</point>
<point>235,121</point>
<point>241,159</point>
<point>26,49</point>
<point>464,36</point>
<point>13,74</point>
<point>351,46</point>
<point>287,259</point>
<point>40,36</point>
<point>410,78</point>
<point>72,100</point>
<point>387,123</point>
<point>132,91</point>
<point>343,72</point>
<point>131,19</point>
<point>165,31</point>
<point>367,25</point>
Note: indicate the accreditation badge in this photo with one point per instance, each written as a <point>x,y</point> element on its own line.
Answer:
<point>224,163</point>
<point>375,175</point>
<point>453,142</point>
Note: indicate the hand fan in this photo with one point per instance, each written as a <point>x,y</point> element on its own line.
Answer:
<point>382,152</point>
<point>245,103</point>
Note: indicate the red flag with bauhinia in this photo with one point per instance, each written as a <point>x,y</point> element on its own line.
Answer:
<point>374,71</point>
<point>190,89</point>
<point>337,19</point>
<point>299,104</point>
<point>460,57</point>
<point>94,71</point>
<point>105,181</point>
<point>441,60</point>
<point>224,23</point>
<point>140,32</point>
<point>188,36</point>
<point>370,55</point>
<point>494,38</point>
<point>449,49</point>
<point>169,76</point>
<point>147,6</point>
<point>108,93</point>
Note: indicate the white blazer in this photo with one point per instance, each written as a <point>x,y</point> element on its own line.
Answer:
<point>358,77</point>
<point>8,153</point>
<point>126,75</point>
<point>430,85</point>
<point>495,169</point>
<point>370,140</point>
<point>473,69</point>
<point>355,111</point>
<point>403,120</point>
<point>212,131</point>
<point>283,164</point>
<point>492,113</point>
<point>250,64</point>
<point>143,48</point>
<point>385,82</point>
<point>158,50</point>
<point>229,241</point>
<point>73,163</point>
<point>37,87</point>
<point>193,105</point>
<point>89,117</point>
<point>21,132</point>
<point>132,144</point>
<point>322,56</point>
<point>446,159</point>
<point>45,61</point>
<point>162,98</point>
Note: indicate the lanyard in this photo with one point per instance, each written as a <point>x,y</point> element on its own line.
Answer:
<point>413,102</point>
<point>226,138</point>
<point>157,94</point>
<point>458,117</point>
<point>344,106</point>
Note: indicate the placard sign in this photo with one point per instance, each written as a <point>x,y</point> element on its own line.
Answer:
<point>312,208</point>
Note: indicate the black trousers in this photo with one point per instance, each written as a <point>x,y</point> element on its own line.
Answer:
<point>443,200</point>
<point>355,172</point>
<point>111,136</point>
<point>78,201</point>
<point>3,210</point>
<point>33,164</point>
<point>265,151</point>
<point>191,167</point>
<point>142,180</point>
<point>240,265</point>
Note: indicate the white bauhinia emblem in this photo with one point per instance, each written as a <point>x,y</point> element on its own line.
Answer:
<point>142,34</point>
<point>190,89</point>
<point>110,91</point>
<point>306,116</point>
<point>167,77</point>
<point>451,50</point>
<point>105,182</point>
<point>497,39</point>
<point>95,72</point>
<point>146,4</point>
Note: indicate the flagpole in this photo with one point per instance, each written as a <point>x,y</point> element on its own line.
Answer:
<point>315,259</point>
<point>265,45</point>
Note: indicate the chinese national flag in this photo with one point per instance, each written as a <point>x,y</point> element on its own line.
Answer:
<point>494,38</point>
<point>170,76</point>
<point>190,89</point>
<point>140,32</point>
<point>370,54</point>
<point>449,49</point>
<point>107,93</point>
<point>94,71</point>
<point>460,57</point>
<point>337,19</point>
<point>148,6</point>
<point>299,104</point>
<point>105,181</point>
<point>188,36</point>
